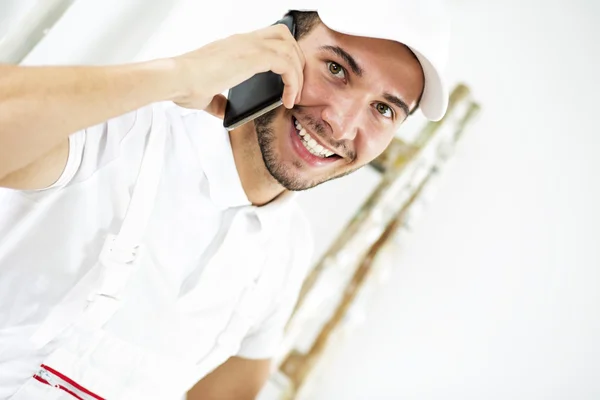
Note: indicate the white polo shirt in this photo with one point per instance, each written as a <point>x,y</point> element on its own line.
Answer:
<point>174,305</point>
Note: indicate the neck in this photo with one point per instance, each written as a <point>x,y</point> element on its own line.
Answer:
<point>257,182</point>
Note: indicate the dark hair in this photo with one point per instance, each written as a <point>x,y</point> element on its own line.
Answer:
<point>307,20</point>
<point>418,104</point>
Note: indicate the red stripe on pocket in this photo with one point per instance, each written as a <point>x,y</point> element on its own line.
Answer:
<point>71,382</point>
<point>39,378</point>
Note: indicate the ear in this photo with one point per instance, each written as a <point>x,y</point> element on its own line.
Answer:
<point>217,106</point>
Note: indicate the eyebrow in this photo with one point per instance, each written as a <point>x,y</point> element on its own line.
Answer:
<point>398,102</point>
<point>347,58</point>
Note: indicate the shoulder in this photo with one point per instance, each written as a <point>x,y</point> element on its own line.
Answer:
<point>88,150</point>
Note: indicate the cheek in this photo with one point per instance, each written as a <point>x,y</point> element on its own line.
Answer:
<point>316,89</point>
<point>370,145</point>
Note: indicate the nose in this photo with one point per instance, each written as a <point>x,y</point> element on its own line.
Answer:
<point>343,115</point>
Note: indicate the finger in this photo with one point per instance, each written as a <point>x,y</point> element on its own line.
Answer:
<point>280,33</point>
<point>291,81</point>
<point>302,61</point>
<point>217,106</point>
<point>285,58</point>
<point>288,62</point>
<point>288,97</point>
<point>283,64</point>
<point>299,61</point>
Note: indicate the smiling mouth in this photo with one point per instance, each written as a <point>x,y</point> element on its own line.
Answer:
<point>311,144</point>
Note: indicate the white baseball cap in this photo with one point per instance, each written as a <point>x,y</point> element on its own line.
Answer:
<point>421,25</point>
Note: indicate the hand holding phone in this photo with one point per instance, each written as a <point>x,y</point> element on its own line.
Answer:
<point>258,95</point>
<point>197,78</point>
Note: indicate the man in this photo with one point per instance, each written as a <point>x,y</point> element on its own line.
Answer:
<point>142,249</point>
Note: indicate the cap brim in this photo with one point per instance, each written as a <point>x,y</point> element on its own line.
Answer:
<point>434,101</point>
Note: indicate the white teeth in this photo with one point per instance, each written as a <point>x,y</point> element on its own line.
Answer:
<point>311,144</point>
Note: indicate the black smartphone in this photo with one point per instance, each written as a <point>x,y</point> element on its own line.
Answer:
<point>257,95</point>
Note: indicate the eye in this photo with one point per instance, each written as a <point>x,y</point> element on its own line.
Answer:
<point>384,110</point>
<point>336,69</point>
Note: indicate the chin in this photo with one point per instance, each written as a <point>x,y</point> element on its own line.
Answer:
<point>289,175</point>
<point>286,156</point>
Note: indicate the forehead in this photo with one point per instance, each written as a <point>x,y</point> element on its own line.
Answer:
<point>387,65</point>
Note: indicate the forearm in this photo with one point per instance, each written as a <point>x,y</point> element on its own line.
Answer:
<point>236,379</point>
<point>41,106</point>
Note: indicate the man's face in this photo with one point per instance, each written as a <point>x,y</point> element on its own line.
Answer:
<point>356,93</point>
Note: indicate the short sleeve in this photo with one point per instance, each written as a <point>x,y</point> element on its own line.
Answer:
<point>96,146</point>
<point>76,145</point>
<point>264,340</point>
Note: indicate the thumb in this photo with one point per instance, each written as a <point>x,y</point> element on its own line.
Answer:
<point>217,106</point>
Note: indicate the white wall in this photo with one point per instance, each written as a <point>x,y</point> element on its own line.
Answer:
<point>11,12</point>
<point>495,295</point>
<point>101,32</point>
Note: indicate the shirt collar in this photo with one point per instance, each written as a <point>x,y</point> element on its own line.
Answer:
<point>276,212</point>
<point>226,191</point>
<point>216,156</point>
